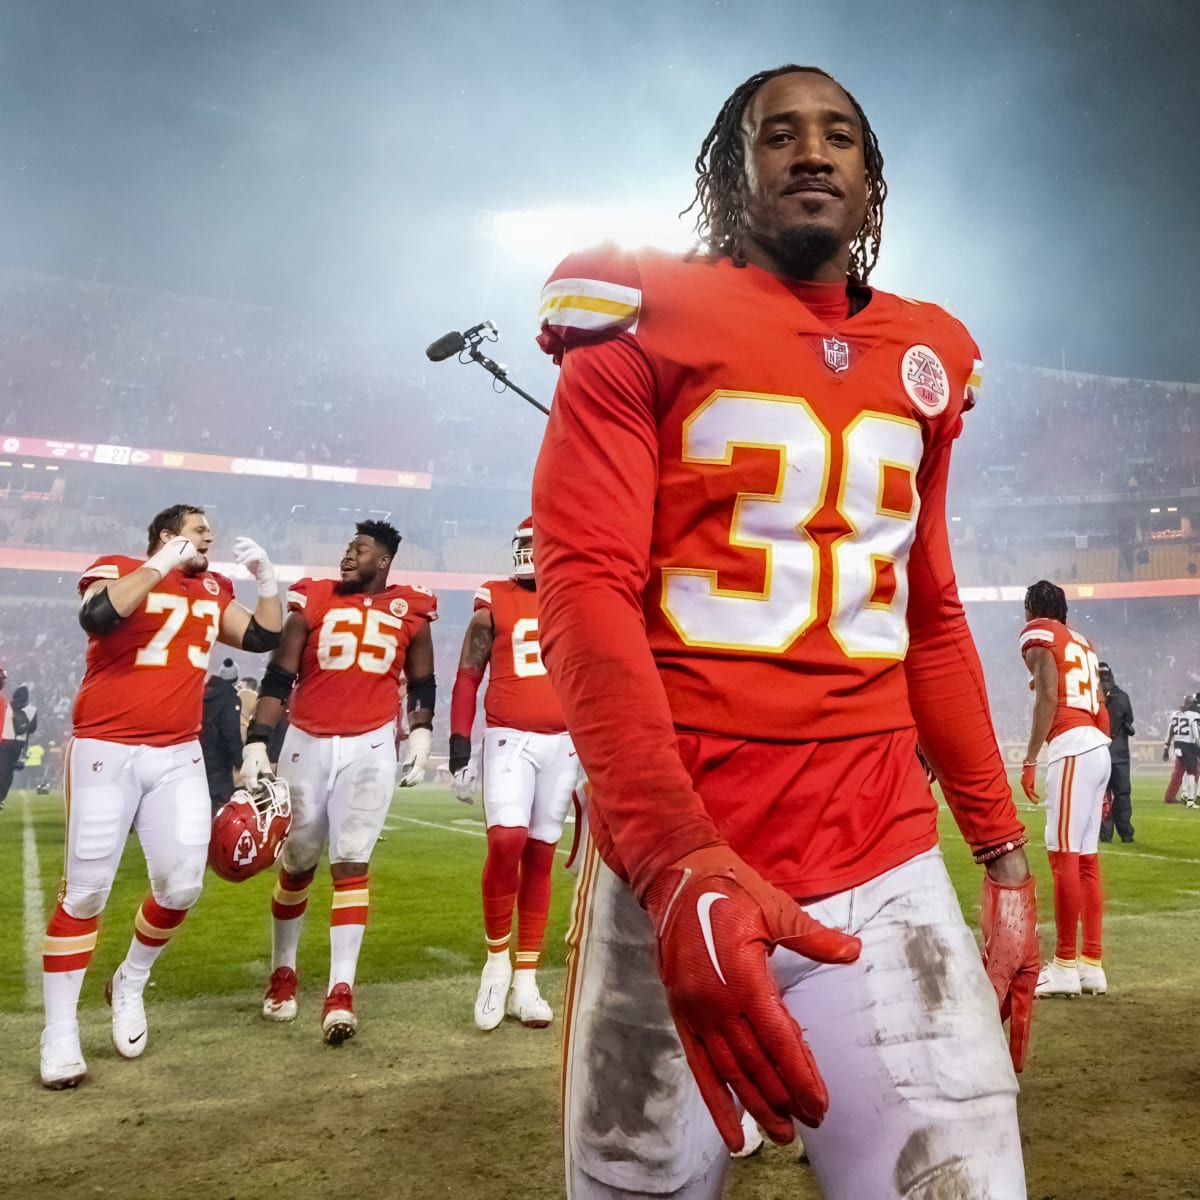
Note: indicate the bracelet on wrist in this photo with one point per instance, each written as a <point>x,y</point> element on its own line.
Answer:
<point>994,852</point>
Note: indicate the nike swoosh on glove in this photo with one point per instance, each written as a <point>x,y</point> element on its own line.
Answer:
<point>716,921</point>
<point>463,782</point>
<point>1010,956</point>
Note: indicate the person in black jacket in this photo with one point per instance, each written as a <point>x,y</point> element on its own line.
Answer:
<point>221,732</point>
<point>1120,718</point>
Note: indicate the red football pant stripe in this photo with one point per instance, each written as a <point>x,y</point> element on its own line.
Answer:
<point>1067,901</point>
<point>533,902</point>
<point>501,878</point>
<point>70,941</point>
<point>1092,899</point>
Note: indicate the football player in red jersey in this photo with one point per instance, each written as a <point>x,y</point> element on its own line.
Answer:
<point>749,614</point>
<point>529,773</point>
<point>134,761</point>
<point>1071,720</point>
<point>345,644</point>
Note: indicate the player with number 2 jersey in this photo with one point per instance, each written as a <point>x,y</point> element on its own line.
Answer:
<point>1071,719</point>
<point>345,645</point>
<point>134,761</point>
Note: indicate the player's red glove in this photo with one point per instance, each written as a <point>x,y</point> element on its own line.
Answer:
<point>1010,956</point>
<point>1106,807</point>
<point>1029,781</point>
<point>716,921</point>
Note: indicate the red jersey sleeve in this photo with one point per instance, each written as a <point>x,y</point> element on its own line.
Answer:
<point>593,498</point>
<point>106,569</point>
<point>945,679</point>
<point>590,297</point>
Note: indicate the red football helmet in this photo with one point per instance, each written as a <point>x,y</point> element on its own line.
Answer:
<point>249,828</point>
<point>522,546</point>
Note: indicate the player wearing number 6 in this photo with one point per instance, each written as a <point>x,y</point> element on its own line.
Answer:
<point>345,644</point>
<point>529,772</point>
<point>749,614</point>
<point>1071,720</point>
<point>135,761</point>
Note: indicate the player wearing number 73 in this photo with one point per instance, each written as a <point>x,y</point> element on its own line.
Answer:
<point>135,761</point>
<point>1070,718</point>
<point>749,614</point>
<point>345,644</point>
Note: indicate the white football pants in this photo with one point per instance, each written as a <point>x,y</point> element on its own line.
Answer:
<point>922,1094</point>
<point>528,779</point>
<point>1075,787</point>
<point>341,791</point>
<point>162,792</point>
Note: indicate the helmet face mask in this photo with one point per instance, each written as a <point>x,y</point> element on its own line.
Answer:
<point>522,550</point>
<point>249,828</point>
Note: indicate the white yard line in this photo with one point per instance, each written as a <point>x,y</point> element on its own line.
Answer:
<point>453,828</point>
<point>35,926</point>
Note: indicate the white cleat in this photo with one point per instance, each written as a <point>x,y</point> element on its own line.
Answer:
<point>529,1008</point>
<point>62,1058</point>
<point>128,1014</point>
<point>1092,979</point>
<point>493,991</point>
<point>752,1138</point>
<point>1057,980</point>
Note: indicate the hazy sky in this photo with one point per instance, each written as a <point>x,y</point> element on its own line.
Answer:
<point>335,155</point>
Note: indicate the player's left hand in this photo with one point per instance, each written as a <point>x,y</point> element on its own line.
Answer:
<point>1106,807</point>
<point>249,554</point>
<point>463,783</point>
<point>1029,782</point>
<point>413,771</point>
<point>1010,956</point>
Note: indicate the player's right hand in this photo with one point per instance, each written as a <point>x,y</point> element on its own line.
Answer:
<point>1010,956</point>
<point>173,555</point>
<point>716,921</point>
<point>1166,756</point>
<point>255,763</point>
<point>463,783</point>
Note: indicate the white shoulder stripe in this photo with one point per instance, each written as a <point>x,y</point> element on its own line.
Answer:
<point>592,305</point>
<point>1036,635</point>
<point>103,571</point>
<point>484,594</point>
<point>297,599</point>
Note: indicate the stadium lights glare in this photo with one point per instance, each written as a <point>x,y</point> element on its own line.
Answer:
<point>1156,510</point>
<point>1172,510</point>
<point>546,233</point>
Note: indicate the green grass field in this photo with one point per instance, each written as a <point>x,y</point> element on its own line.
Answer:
<point>224,1105</point>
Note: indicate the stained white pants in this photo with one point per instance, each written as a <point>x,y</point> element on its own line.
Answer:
<point>341,790</point>
<point>908,1038</point>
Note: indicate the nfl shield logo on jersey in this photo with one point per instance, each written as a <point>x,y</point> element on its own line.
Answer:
<point>837,354</point>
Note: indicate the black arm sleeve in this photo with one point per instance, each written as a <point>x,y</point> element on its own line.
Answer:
<point>422,693</point>
<point>97,614</point>
<point>259,640</point>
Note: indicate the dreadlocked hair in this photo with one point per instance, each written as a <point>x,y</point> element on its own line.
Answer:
<point>721,211</point>
<point>1046,599</point>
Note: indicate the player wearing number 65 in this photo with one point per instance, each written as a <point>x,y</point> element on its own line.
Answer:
<point>749,614</point>
<point>135,761</point>
<point>346,643</point>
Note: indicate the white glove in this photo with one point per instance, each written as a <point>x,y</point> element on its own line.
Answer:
<point>249,554</point>
<point>255,763</point>
<point>171,557</point>
<point>413,771</point>
<point>463,783</point>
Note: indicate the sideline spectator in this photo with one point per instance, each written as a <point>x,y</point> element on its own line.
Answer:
<point>220,732</point>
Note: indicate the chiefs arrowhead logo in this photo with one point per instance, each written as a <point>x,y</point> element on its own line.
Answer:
<point>246,850</point>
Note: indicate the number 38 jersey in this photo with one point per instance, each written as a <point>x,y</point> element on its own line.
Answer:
<point>1077,725</point>
<point>519,694</point>
<point>792,463</point>
<point>349,678</point>
<point>144,680</point>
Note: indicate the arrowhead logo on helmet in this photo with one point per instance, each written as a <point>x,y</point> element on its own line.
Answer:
<point>249,828</point>
<point>522,547</point>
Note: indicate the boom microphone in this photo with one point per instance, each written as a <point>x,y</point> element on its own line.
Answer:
<point>454,342</point>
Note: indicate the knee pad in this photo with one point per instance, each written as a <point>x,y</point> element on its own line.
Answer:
<point>181,888</point>
<point>82,901</point>
<point>300,853</point>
